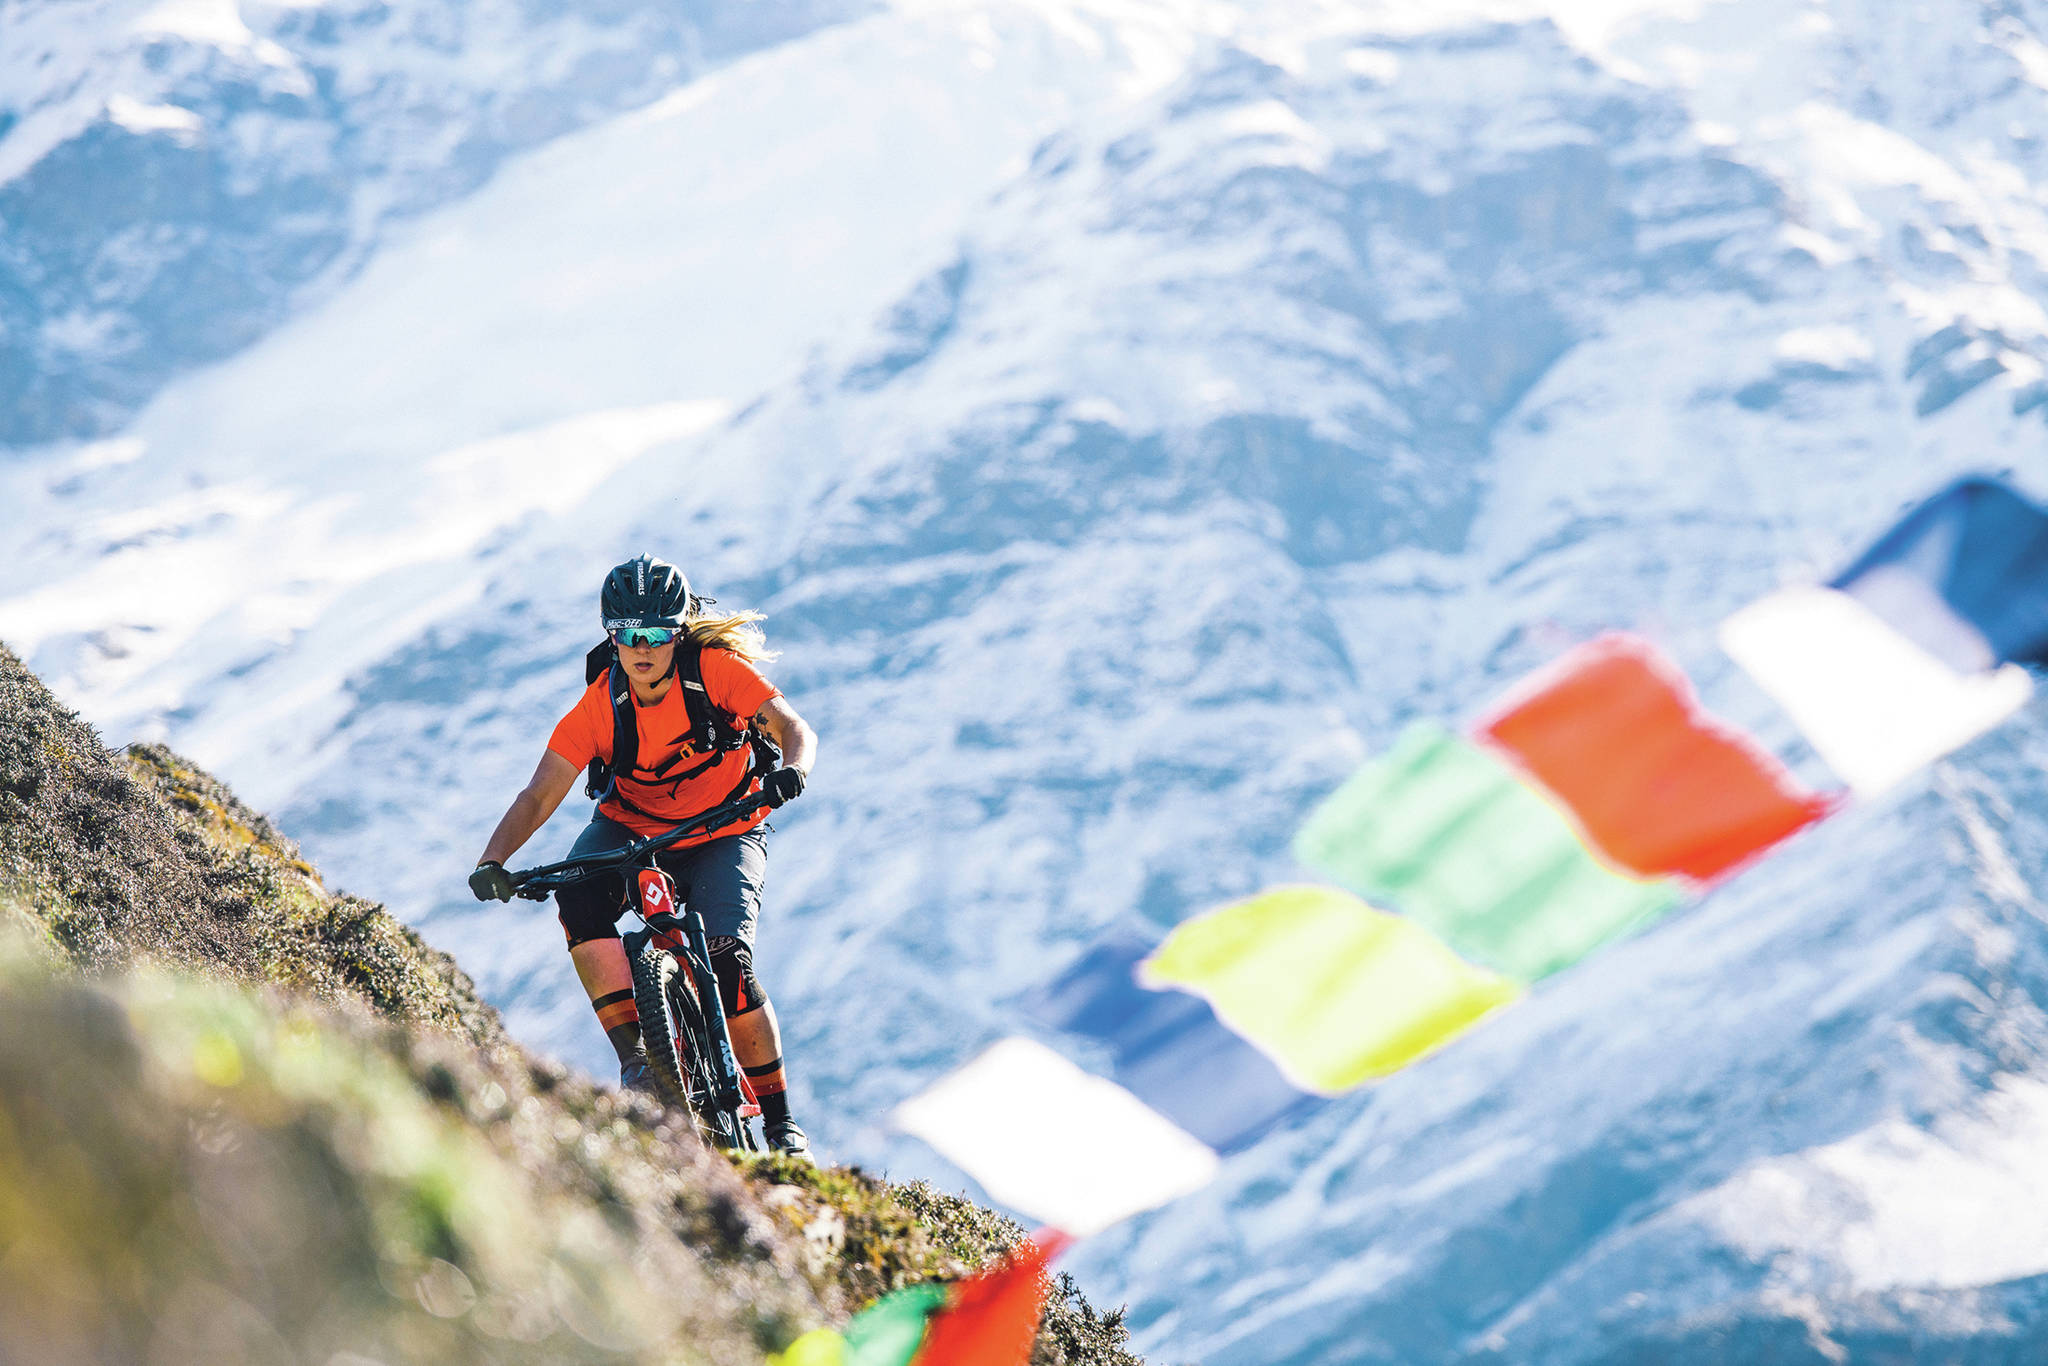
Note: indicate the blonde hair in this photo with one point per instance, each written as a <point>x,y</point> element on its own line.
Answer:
<point>739,632</point>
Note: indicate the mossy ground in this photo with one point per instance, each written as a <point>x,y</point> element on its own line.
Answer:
<point>245,1119</point>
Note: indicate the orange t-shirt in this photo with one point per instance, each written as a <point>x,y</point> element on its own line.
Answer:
<point>666,751</point>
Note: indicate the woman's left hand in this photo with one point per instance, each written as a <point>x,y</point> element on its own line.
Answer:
<point>785,784</point>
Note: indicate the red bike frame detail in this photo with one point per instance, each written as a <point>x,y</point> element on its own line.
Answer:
<point>658,895</point>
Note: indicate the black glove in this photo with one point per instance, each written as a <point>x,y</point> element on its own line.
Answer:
<point>491,882</point>
<point>785,784</point>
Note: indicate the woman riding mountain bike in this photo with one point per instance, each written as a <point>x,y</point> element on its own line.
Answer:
<point>674,987</point>
<point>676,720</point>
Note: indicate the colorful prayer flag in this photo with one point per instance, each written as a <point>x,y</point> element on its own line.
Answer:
<point>1446,832</point>
<point>1897,662</point>
<point>1874,704</point>
<point>819,1347</point>
<point>1169,1049</point>
<point>1337,993</point>
<point>991,1319</point>
<point>1591,801</point>
<point>1042,1136</point>
<point>1964,576</point>
<point>1614,732</point>
<point>890,1331</point>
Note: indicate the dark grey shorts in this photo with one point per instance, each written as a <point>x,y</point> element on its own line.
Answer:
<point>722,879</point>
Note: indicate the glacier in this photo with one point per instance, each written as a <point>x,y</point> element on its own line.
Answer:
<point>1130,413</point>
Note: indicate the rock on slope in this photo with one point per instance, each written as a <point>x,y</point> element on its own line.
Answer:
<point>244,1119</point>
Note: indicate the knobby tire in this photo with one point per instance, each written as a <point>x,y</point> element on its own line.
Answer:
<point>669,1011</point>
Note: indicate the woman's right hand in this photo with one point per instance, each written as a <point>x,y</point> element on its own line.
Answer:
<point>491,882</point>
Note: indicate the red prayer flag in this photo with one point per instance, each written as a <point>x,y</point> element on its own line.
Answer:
<point>993,1318</point>
<point>1615,734</point>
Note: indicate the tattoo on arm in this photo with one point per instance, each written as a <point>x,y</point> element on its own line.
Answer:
<point>794,738</point>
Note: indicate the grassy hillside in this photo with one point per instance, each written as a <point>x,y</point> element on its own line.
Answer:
<point>245,1119</point>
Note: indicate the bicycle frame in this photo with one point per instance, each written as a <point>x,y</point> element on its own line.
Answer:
<point>684,937</point>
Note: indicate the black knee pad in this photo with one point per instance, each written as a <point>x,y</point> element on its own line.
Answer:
<point>589,910</point>
<point>738,991</point>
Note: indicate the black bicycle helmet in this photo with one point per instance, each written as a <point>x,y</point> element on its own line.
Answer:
<point>644,592</point>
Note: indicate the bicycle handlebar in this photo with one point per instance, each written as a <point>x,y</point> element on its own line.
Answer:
<point>535,883</point>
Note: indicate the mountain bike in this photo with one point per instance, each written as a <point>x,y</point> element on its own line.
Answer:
<point>688,1044</point>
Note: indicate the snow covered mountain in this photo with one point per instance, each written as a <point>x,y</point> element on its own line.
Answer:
<point>1131,414</point>
<point>178,176</point>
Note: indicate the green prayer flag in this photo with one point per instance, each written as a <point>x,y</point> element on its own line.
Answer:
<point>889,1331</point>
<point>886,1333</point>
<point>1447,832</point>
<point>1335,992</point>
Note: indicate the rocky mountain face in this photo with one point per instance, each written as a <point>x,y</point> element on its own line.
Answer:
<point>1130,415</point>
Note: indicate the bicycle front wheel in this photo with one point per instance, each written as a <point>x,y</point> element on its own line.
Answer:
<point>680,1046</point>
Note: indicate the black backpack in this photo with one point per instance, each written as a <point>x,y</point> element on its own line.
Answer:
<point>714,732</point>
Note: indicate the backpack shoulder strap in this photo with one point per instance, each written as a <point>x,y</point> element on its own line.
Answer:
<point>712,728</point>
<point>602,662</point>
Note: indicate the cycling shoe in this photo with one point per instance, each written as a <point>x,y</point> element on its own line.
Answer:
<point>638,1075</point>
<point>786,1139</point>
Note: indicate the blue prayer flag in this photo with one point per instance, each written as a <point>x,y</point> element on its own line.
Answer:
<point>1964,576</point>
<point>1168,1048</point>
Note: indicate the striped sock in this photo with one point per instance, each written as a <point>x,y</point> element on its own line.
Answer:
<point>620,1018</point>
<point>608,980</point>
<point>771,1089</point>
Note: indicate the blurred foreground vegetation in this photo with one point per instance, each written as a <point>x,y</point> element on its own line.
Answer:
<point>246,1120</point>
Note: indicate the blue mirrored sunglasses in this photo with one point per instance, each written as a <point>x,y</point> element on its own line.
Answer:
<point>640,637</point>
